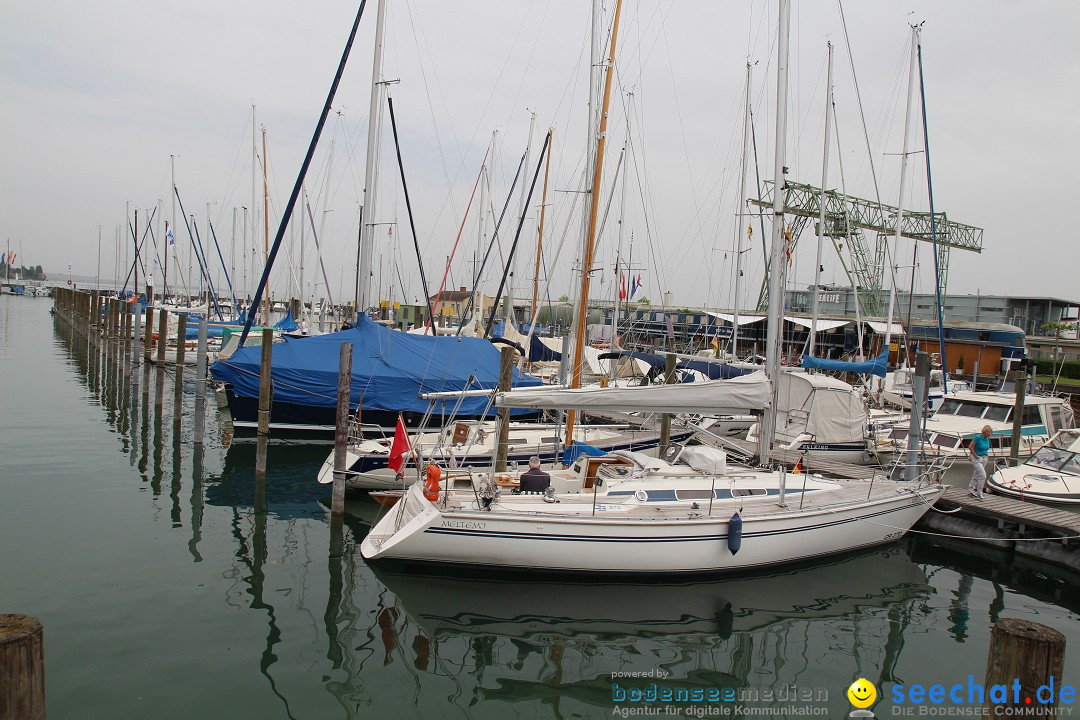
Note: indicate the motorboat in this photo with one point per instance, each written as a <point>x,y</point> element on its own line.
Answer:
<point>962,415</point>
<point>1051,475</point>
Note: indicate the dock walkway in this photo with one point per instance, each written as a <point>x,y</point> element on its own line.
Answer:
<point>1010,510</point>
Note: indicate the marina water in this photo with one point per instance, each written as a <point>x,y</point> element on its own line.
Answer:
<point>171,584</point>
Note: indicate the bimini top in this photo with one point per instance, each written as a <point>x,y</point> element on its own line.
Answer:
<point>390,369</point>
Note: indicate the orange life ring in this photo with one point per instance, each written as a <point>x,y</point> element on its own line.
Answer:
<point>431,485</point>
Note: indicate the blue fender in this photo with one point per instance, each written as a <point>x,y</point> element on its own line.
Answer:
<point>734,534</point>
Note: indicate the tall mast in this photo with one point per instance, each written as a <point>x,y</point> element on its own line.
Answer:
<point>249,258</point>
<point>779,240</point>
<point>367,239</point>
<point>480,241</point>
<point>821,209</point>
<point>170,244</point>
<point>915,29</point>
<point>508,307</point>
<point>590,237</point>
<point>739,217</point>
<point>540,231</point>
<point>266,232</point>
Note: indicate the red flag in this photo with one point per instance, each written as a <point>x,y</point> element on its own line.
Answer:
<point>400,446</point>
<point>798,468</point>
<point>622,286</point>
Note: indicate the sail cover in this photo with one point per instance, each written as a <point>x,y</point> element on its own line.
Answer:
<point>741,394</point>
<point>876,366</point>
<point>390,369</point>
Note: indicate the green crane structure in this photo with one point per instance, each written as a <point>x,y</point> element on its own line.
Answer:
<point>846,217</point>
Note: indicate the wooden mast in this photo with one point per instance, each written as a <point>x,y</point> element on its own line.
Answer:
<point>540,232</point>
<point>590,237</point>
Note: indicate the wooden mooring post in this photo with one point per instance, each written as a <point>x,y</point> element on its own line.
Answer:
<point>341,428</point>
<point>1028,659</point>
<point>163,329</point>
<point>148,341</point>
<point>22,668</point>
<point>665,418</point>
<point>181,348</point>
<point>265,392</point>
<point>506,370</point>
<point>200,384</point>
<point>1020,380</point>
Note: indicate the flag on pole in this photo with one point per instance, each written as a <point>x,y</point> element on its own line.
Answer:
<point>622,286</point>
<point>399,447</point>
<point>798,468</point>
<point>634,285</point>
<point>169,236</point>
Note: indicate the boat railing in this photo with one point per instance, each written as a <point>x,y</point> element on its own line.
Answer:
<point>929,468</point>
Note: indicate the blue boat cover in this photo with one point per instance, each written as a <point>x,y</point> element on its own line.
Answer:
<point>390,369</point>
<point>577,448</point>
<point>877,366</point>
<point>539,352</point>
<point>712,370</point>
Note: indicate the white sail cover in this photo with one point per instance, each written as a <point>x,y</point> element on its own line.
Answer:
<point>741,394</point>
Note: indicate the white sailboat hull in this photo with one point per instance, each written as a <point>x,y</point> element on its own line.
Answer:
<point>602,543</point>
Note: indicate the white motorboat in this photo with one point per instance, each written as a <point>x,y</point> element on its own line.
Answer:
<point>625,513</point>
<point>1051,475</point>
<point>901,384</point>
<point>962,416</point>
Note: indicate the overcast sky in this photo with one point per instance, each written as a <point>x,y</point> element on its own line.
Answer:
<point>97,96</point>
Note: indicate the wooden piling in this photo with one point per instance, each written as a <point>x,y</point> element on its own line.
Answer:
<point>148,341</point>
<point>1020,380</point>
<point>264,401</point>
<point>506,368</point>
<point>159,388</point>
<point>22,668</point>
<point>137,338</point>
<point>1031,656</point>
<point>200,384</point>
<point>181,346</point>
<point>665,418</point>
<point>341,429</point>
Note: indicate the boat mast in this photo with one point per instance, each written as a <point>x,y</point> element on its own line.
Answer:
<point>266,233</point>
<point>508,308</point>
<point>738,218</point>
<point>779,239</point>
<point>821,209</point>
<point>915,29</point>
<point>249,258</point>
<point>367,233</point>
<point>540,230</point>
<point>590,237</point>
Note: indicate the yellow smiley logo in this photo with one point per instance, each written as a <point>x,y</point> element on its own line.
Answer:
<point>862,693</point>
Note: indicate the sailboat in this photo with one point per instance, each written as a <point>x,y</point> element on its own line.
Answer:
<point>688,512</point>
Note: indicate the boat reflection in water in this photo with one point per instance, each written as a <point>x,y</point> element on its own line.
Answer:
<point>559,641</point>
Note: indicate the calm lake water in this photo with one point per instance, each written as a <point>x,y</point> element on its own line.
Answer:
<point>171,585</point>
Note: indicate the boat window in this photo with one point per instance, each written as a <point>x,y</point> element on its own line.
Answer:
<point>1072,465</point>
<point>1065,439</point>
<point>1032,415</point>
<point>747,492</point>
<point>898,434</point>
<point>948,407</point>
<point>998,413</point>
<point>1050,457</point>
<point>972,410</point>
<point>517,441</point>
<point>945,441</point>
<point>552,439</point>
<point>1057,416</point>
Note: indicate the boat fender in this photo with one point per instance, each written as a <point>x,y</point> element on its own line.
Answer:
<point>641,496</point>
<point>734,534</point>
<point>431,483</point>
